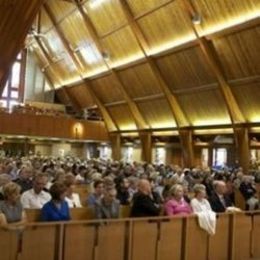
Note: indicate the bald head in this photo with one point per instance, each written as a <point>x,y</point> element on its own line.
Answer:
<point>144,186</point>
<point>220,187</point>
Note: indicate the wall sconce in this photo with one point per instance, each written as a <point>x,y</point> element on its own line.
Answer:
<point>78,130</point>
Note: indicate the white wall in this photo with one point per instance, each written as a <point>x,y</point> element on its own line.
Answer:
<point>60,150</point>
<point>44,149</point>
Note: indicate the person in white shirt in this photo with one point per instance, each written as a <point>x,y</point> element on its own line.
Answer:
<point>72,198</point>
<point>202,208</point>
<point>36,197</point>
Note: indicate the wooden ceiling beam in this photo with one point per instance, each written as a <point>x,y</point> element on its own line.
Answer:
<point>13,30</point>
<point>137,116</point>
<point>63,39</point>
<point>212,59</point>
<point>111,125</point>
<point>179,115</point>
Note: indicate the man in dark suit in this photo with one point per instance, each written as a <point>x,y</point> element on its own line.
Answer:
<point>144,204</point>
<point>219,201</point>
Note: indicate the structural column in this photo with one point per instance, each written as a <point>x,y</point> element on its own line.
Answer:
<point>115,140</point>
<point>187,147</point>
<point>242,147</point>
<point>146,144</point>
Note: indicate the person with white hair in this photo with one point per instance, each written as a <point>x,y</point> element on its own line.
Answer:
<point>219,201</point>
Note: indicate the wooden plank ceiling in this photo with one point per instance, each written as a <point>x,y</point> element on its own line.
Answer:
<point>154,64</point>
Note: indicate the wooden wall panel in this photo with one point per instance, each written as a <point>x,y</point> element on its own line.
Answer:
<point>168,26</point>
<point>61,9</point>
<point>140,7</point>
<point>248,97</point>
<point>122,47</point>
<point>186,69</point>
<point>123,117</point>
<point>239,53</point>
<point>36,125</point>
<point>157,113</point>
<point>221,14</point>
<point>105,16</point>
<point>107,89</point>
<point>81,95</point>
<point>205,108</point>
<point>16,19</point>
<point>140,81</point>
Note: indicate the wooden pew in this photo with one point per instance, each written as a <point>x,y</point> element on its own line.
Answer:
<point>196,240</point>
<point>8,244</point>
<point>83,213</point>
<point>170,239</point>
<point>40,242</point>
<point>83,190</point>
<point>219,244</point>
<point>143,240</point>
<point>79,241</point>
<point>241,236</point>
<point>256,236</point>
<point>239,200</point>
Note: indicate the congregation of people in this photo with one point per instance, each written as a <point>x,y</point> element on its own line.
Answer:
<point>48,184</point>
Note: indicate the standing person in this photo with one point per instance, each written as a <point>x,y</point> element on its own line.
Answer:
<point>36,197</point>
<point>57,209</point>
<point>143,202</point>
<point>11,209</point>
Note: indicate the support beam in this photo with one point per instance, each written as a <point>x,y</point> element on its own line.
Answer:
<point>146,144</point>
<point>212,59</point>
<point>187,147</point>
<point>242,147</point>
<point>110,123</point>
<point>63,39</point>
<point>177,112</point>
<point>16,20</point>
<point>138,118</point>
<point>115,140</point>
<point>111,126</point>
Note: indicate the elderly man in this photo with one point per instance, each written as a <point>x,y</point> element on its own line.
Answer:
<point>143,201</point>
<point>219,201</point>
<point>36,197</point>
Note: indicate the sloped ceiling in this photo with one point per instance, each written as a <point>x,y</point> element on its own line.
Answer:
<point>154,63</point>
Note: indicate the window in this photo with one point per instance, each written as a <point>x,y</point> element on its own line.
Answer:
<point>219,157</point>
<point>13,91</point>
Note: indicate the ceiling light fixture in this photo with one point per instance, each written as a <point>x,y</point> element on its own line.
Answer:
<point>196,19</point>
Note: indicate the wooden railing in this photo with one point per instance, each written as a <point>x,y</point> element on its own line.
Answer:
<point>237,237</point>
<point>50,126</point>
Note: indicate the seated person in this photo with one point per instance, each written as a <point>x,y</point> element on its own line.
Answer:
<point>97,194</point>
<point>4,179</point>
<point>177,205</point>
<point>143,202</point>
<point>24,179</point>
<point>123,194</point>
<point>108,206</point>
<point>71,197</point>
<point>249,193</point>
<point>199,203</point>
<point>57,209</point>
<point>219,201</point>
<point>36,197</point>
<point>11,209</point>
<point>201,207</point>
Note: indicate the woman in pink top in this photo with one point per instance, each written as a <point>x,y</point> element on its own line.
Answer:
<point>177,204</point>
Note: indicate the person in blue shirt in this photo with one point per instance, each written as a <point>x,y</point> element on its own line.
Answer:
<point>57,209</point>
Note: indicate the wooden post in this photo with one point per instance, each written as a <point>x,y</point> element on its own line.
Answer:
<point>146,143</point>
<point>115,139</point>
<point>242,147</point>
<point>187,147</point>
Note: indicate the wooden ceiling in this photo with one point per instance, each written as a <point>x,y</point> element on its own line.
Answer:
<point>154,64</point>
